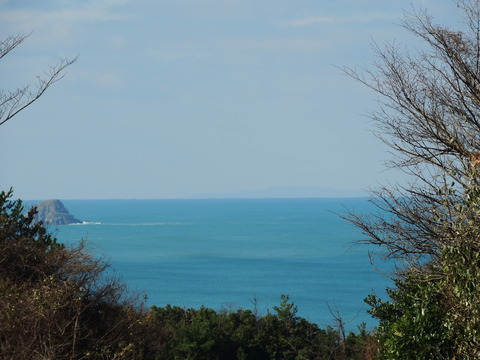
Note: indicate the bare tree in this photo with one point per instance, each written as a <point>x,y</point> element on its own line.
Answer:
<point>12,102</point>
<point>429,115</point>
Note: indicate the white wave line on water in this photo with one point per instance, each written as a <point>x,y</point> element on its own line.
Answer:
<point>131,224</point>
<point>147,224</point>
<point>88,223</point>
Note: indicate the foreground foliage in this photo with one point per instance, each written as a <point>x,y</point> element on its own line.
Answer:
<point>59,303</point>
<point>207,334</point>
<point>55,302</point>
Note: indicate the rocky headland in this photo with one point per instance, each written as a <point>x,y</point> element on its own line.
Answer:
<point>53,212</point>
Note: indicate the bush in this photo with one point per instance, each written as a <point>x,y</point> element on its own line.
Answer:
<point>207,334</point>
<point>56,302</point>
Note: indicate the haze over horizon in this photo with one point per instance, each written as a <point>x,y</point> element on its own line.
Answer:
<point>171,99</point>
<point>281,192</point>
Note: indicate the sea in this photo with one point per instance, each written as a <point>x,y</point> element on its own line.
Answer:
<point>228,254</point>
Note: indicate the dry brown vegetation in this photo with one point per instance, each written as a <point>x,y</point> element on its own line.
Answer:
<point>57,302</point>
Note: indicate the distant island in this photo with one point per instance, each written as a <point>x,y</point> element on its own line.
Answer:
<point>53,212</point>
<point>286,192</point>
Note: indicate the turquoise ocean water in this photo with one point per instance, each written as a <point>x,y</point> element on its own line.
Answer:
<point>225,253</point>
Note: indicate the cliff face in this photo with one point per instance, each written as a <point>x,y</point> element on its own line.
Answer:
<point>54,212</point>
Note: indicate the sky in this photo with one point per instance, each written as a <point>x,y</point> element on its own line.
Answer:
<point>175,98</point>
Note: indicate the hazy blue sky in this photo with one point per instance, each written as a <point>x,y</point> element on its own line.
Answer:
<point>172,98</point>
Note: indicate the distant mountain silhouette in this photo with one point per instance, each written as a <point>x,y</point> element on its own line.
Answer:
<point>285,192</point>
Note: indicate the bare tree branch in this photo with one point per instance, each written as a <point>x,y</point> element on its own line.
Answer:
<point>12,102</point>
<point>429,115</point>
